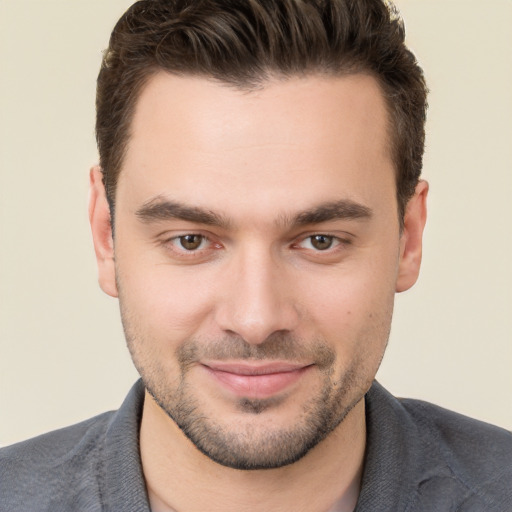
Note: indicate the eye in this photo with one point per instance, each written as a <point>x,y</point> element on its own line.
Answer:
<point>190,242</point>
<point>322,242</point>
<point>189,248</point>
<point>319,242</point>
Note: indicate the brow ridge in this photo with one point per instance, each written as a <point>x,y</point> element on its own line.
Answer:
<point>161,209</point>
<point>344,209</point>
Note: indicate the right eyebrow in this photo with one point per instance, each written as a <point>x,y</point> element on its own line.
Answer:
<point>159,208</point>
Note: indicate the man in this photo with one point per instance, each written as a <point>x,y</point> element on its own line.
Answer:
<point>257,206</point>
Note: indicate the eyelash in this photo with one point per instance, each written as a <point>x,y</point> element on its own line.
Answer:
<point>337,244</point>
<point>182,252</point>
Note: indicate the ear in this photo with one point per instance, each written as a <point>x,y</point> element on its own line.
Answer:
<point>99,218</point>
<point>412,237</point>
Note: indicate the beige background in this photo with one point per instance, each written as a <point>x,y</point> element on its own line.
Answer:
<point>62,354</point>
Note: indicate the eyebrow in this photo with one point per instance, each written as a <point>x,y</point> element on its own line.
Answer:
<point>344,209</point>
<point>160,208</point>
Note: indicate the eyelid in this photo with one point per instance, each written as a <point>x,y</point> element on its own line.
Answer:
<point>173,234</point>
<point>170,241</point>
<point>343,237</point>
<point>340,247</point>
<point>334,243</point>
<point>177,239</point>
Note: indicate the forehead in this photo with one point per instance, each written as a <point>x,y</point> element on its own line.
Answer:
<point>195,138</point>
<point>179,106</point>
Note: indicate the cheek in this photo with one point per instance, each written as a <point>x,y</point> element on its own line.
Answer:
<point>353,309</point>
<point>165,302</point>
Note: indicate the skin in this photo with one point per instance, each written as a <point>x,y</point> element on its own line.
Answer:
<point>254,174</point>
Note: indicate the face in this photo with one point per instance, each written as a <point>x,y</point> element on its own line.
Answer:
<point>257,253</point>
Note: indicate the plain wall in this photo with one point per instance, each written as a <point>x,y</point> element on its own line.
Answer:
<point>62,351</point>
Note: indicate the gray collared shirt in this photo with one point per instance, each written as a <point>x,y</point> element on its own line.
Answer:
<point>419,458</point>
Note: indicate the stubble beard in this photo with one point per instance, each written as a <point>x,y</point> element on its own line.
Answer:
<point>250,445</point>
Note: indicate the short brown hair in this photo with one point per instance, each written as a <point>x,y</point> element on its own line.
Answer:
<point>244,43</point>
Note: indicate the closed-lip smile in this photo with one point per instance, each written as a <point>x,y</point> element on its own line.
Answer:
<point>255,379</point>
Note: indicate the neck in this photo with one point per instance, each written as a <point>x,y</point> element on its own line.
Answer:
<point>179,477</point>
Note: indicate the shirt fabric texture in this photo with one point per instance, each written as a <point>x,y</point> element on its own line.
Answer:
<point>419,458</point>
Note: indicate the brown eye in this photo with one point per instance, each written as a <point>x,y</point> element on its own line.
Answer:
<point>191,242</point>
<point>321,242</point>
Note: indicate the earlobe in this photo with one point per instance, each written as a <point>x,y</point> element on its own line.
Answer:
<point>412,238</point>
<point>99,219</point>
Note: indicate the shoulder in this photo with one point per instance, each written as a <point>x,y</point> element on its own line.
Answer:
<point>56,444</point>
<point>478,455</point>
<point>41,471</point>
<point>476,442</point>
<point>421,457</point>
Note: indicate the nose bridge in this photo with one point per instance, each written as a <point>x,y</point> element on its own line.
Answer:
<point>258,302</point>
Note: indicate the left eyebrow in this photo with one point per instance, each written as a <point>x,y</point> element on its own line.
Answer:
<point>344,209</point>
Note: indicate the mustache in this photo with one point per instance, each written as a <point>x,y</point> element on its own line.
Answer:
<point>278,346</point>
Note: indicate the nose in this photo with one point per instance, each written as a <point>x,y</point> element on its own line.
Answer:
<point>258,299</point>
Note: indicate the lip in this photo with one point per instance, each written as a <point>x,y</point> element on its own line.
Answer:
<point>256,380</point>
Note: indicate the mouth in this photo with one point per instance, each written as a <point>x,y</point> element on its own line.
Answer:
<point>256,380</point>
